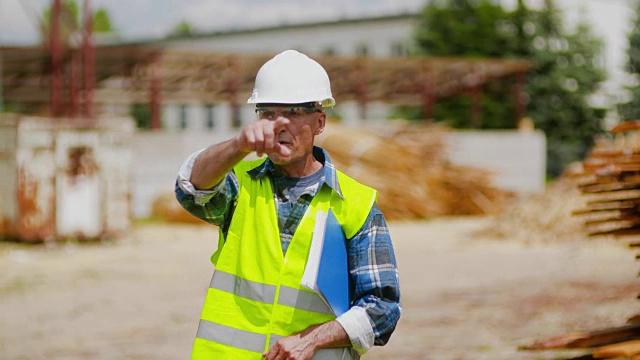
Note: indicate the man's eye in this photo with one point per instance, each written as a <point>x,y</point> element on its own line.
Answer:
<point>269,114</point>
<point>293,112</point>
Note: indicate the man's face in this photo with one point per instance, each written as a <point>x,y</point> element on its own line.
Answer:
<point>304,124</point>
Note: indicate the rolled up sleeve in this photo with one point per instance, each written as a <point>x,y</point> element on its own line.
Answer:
<point>376,304</point>
<point>213,205</point>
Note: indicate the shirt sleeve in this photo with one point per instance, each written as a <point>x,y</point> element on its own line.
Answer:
<point>215,205</point>
<point>372,268</point>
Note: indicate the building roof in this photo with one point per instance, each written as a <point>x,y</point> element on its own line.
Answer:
<point>124,74</point>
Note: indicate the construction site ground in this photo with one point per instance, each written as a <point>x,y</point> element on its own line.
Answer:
<point>465,295</point>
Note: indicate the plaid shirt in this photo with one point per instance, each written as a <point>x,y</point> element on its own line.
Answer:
<point>372,264</point>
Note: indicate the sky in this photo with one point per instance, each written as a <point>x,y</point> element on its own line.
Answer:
<point>144,19</point>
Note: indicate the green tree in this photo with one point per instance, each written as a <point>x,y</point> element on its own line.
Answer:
<point>183,28</point>
<point>564,74</point>
<point>70,20</point>
<point>102,21</point>
<point>475,29</point>
<point>630,110</point>
<point>141,113</point>
<point>564,70</point>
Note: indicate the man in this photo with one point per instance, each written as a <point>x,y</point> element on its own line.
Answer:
<point>266,209</point>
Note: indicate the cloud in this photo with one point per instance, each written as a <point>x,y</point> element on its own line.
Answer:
<point>19,22</point>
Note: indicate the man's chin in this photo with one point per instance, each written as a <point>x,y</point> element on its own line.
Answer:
<point>279,159</point>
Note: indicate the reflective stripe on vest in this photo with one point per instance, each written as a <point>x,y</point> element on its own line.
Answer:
<point>231,336</point>
<point>302,300</point>
<point>245,288</point>
<point>265,293</point>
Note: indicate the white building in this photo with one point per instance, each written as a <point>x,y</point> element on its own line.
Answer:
<point>378,36</point>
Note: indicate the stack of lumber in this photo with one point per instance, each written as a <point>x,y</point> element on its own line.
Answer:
<point>407,164</point>
<point>609,179</point>
<point>610,343</point>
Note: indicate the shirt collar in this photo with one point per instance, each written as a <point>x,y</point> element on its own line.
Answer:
<point>330,175</point>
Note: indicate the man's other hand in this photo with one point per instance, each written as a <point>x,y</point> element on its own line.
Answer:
<point>294,347</point>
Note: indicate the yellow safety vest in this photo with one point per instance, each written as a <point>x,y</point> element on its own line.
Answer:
<point>255,296</point>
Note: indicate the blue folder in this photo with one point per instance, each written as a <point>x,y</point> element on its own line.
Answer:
<point>333,270</point>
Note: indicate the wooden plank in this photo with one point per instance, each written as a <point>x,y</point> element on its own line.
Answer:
<point>631,177</point>
<point>634,319</point>
<point>613,153</point>
<point>608,187</point>
<point>607,206</point>
<point>588,339</point>
<point>633,195</point>
<point>619,216</point>
<point>623,349</point>
<point>626,126</point>
<point>621,231</point>
<point>582,357</point>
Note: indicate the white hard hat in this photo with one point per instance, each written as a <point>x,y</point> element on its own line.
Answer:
<point>292,78</point>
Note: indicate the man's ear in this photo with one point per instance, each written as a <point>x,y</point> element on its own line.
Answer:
<point>322,121</point>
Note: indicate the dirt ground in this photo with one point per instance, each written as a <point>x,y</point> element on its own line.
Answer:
<point>465,296</point>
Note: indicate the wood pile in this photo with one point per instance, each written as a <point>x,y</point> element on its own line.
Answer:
<point>165,207</point>
<point>609,179</point>
<point>611,343</point>
<point>408,165</point>
<point>541,218</point>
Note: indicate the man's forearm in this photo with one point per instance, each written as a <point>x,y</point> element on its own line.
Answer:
<point>211,166</point>
<point>328,335</point>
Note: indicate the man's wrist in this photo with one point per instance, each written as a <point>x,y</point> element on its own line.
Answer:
<point>240,148</point>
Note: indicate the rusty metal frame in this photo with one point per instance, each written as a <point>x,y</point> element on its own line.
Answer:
<point>128,74</point>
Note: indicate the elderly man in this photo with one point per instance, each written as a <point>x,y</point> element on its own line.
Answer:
<point>266,209</point>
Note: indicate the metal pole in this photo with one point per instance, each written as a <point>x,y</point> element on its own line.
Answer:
<point>88,52</point>
<point>56,59</point>
<point>428,96</point>
<point>362,88</point>
<point>518,96</point>
<point>73,83</point>
<point>1,85</point>
<point>476,105</point>
<point>156,93</point>
<point>234,82</point>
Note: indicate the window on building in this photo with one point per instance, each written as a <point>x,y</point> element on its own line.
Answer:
<point>398,49</point>
<point>362,50</point>
<point>330,51</point>
<point>600,60</point>
<point>183,116</point>
<point>210,123</point>
<point>236,120</point>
